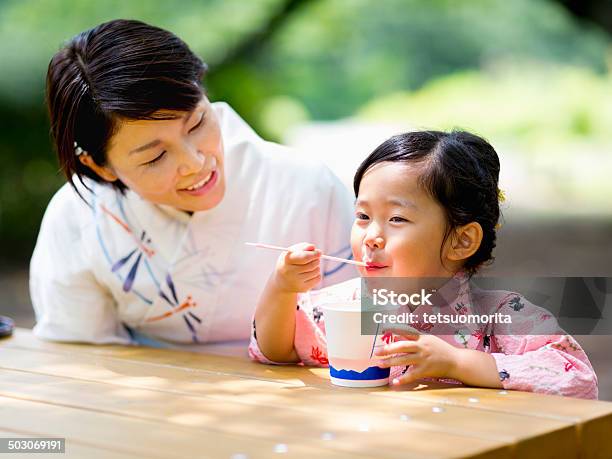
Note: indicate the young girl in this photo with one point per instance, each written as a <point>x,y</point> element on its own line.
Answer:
<point>427,206</point>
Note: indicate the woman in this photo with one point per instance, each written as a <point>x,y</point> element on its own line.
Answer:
<point>147,237</point>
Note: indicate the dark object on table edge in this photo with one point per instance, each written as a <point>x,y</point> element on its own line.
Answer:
<point>6,326</point>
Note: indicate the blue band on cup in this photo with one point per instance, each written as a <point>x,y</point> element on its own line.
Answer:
<point>371,373</point>
<point>6,326</point>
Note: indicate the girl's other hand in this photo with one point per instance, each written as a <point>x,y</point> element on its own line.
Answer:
<point>426,355</point>
<point>299,269</point>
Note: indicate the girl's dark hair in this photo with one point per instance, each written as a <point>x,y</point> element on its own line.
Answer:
<point>121,69</point>
<point>459,170</point>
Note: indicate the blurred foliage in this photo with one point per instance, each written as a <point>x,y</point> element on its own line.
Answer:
<point>337,55</point>
<point>543,106</point>
<point>552,120</point>
<point>32,31</point>
<point>431,61</point>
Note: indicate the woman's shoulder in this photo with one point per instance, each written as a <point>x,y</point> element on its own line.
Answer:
<point>233,127</point>
<point>65,206</point>
<point>71,208</point>
<point>62,234</point>
<point>246,150</point>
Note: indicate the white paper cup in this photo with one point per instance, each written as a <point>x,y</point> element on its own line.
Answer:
<point>348,351</point>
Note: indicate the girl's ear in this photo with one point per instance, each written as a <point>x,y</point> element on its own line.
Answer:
<point>465,242</point>
<point>105,172</point>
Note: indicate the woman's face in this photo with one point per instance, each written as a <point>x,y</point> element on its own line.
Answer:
<point>399,228</point>
<point>177,162</point>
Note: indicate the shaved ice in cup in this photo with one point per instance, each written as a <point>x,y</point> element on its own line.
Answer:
<point>350,354</point>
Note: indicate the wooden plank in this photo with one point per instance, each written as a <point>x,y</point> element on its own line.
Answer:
<point>25,337</point>
<point>537,405</point>
<point>591,417</point>
<point>141,437</point>
<point>302,404</point>
<point>382,432</point>
<point>73,449</point>
<point>524,403</point>
<point>238,366</point>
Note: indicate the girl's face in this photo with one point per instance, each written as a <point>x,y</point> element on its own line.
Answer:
<point>399,227</point>
<point>176,162</point>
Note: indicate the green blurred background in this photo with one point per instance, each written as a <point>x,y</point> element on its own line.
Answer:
<point>330,76</point>
<point>533,76</point>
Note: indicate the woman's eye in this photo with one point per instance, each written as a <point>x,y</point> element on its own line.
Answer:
<point>398,219</point>
<point>361,216</point>
<point>156,159</point>
<point>200,123</point>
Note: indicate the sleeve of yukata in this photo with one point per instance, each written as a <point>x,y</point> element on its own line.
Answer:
<point>337,219</point>
<point>534,354</point>
<point>69,303</point>
<point>309,342</point>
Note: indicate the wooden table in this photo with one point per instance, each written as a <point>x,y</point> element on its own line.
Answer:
<point>132,402</point>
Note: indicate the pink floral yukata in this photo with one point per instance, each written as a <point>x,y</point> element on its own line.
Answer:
<point>538,357</point>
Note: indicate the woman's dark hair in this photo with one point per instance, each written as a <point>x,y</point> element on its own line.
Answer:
<point>459,170</point>
<point>121,69</point>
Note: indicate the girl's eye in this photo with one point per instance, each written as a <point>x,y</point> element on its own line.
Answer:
<point>361,216</point>
<point>155,160</point>
<point>398,219</point>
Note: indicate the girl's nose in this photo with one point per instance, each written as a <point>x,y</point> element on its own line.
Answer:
<point>192,161</point>
<point>374,238</point>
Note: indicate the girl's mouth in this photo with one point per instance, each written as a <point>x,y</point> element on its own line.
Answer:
<point>371,266</point>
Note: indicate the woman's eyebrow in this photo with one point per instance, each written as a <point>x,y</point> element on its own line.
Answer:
<point>156,142</point>
<point>151,144</point>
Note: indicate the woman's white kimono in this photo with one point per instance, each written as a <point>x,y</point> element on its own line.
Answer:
<point>122,266</point>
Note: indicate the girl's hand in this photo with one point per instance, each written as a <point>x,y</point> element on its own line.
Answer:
<point>427,356</point>
<point>298,270</point>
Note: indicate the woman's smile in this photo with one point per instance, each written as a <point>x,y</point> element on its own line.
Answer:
<point>203,186</point>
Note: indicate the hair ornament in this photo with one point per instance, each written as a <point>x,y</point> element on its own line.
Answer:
<point>78,150</point>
